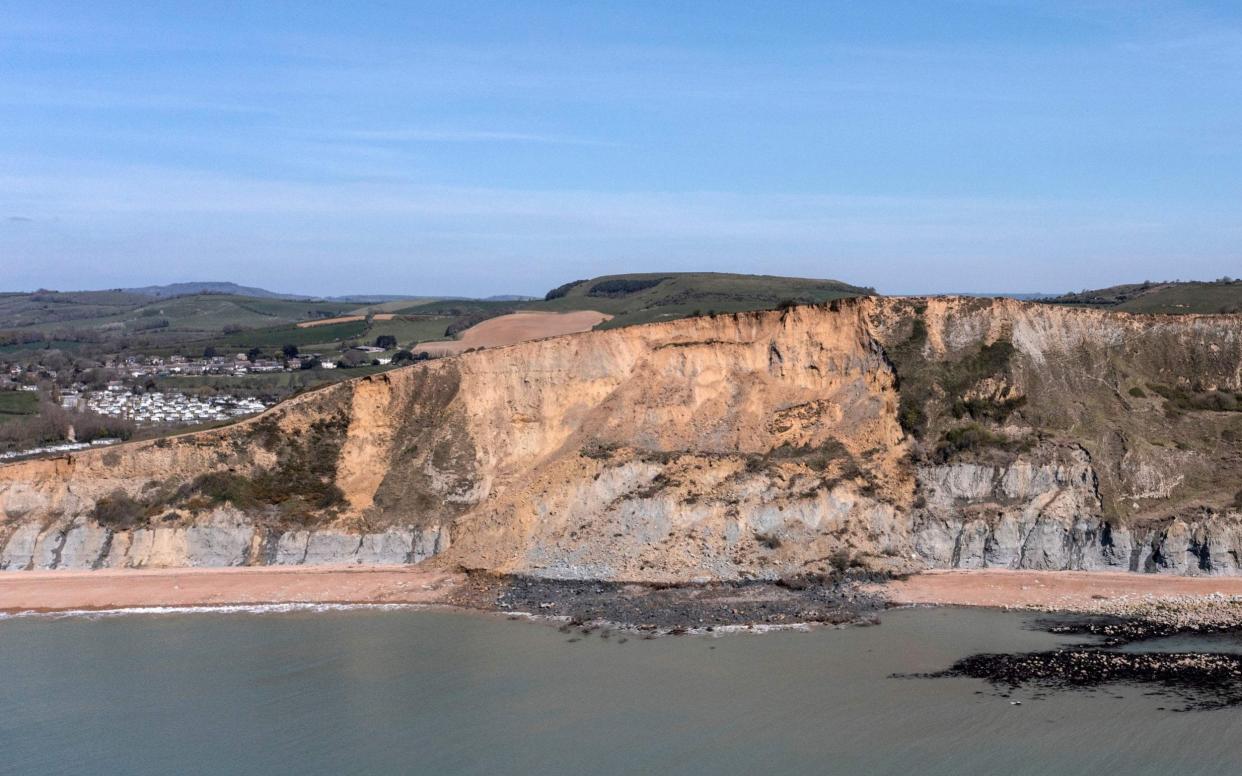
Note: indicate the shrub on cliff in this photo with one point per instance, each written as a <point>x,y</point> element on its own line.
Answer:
<point>119,510</point>
<point>996,410</point>
<point>971,437</point>
<point>1182,399</point>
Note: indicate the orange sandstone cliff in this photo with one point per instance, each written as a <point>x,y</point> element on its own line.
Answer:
<point>880,432</point>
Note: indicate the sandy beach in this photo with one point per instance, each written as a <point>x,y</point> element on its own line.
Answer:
<point>113,589</point>
<point>1069,590</point>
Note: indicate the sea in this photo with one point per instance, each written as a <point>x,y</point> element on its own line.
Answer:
<point>407,690</point>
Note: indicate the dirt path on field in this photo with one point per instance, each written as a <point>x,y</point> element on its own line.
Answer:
<point>513,328</point>
<point>344,319</point>
<point>1070,590</point>
<point>117,589</point>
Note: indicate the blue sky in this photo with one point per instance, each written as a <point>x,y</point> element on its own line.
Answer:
<point>508,147</point>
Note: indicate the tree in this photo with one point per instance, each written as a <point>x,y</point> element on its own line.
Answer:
<point>386,341</point>
<point>209,352</point>
<point>290,351</point>
<point>311,363</point>
<point>253,354</point>
<point>402,356</point>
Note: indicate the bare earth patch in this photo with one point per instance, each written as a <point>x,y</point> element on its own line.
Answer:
<point>344,319</point>
<point>515,327</point>
<point>117,589</point>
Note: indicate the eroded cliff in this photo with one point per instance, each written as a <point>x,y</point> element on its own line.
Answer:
<point>890,433</point>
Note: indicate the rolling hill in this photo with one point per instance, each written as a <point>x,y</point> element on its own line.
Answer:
<point>1172,297</point>
<point>639,298</point>
<point>208,287</point>
<point>644,297</point>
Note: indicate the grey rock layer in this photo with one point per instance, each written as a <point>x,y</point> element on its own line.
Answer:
<point>1047,516</point>
<point>225,538</point>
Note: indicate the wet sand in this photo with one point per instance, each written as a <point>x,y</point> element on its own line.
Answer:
<point>1068,590</point>
<point>117,589</point>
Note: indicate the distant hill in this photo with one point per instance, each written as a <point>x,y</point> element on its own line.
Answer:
<point>233,289</point>
<point>657,296</point>
<point>1025,297</point>
<point>208,287</point>
<point>639,298</point>
<point>1216,296</point>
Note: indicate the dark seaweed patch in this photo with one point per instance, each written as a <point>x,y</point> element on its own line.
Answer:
<point>1200,680</point>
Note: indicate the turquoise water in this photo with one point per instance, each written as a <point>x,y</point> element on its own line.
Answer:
<point>440,692</point>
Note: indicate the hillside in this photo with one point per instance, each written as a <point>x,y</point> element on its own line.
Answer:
<point>890,434</point>
<point>646,297</point>
<point>640,298</point>
<point>1171,297</point>
<point>194,288</point>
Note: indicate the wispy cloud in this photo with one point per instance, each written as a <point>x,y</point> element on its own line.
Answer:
<point>58,96</point>
<point>467,136</point>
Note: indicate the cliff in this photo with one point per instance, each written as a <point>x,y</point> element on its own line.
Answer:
<point>887,433</point>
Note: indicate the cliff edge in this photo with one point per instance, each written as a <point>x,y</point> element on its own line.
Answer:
<point>888,433</point>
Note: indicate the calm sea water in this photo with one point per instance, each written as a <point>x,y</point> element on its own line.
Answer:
<point>439,692</point>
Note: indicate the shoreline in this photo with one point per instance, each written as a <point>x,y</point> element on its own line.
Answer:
<point>1212,600</point>
<point>1067,591</point>
<point>110,589</point>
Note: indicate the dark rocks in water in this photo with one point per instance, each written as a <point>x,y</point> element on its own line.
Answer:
<point>1115,631</point>
<point>677,608</point>
<point>1203,680</point>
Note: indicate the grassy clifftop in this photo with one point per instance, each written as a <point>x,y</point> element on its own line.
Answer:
<point>1204,297</point>
<point>660,296</point>
<point>639,298</point>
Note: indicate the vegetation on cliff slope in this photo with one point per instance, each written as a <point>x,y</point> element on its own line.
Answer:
<point>299,486</point>
<point>940,402</point>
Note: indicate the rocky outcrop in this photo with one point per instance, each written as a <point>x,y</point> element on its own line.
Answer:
<point>224,538</point>
<point>888,433</point>
<point>1048,517</point>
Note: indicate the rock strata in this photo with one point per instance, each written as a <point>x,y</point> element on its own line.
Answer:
<point>880,433</point>
<point>225,538</point>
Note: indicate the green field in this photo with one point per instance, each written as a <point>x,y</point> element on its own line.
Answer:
<point>277,336</point>
<point>15,404</point>
<point>122,313</point>
<point>1167,297</point>
<point>66,345</point>
<point>409,330</point>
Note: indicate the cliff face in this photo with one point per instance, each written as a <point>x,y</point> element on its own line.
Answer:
<point>892,433</point>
